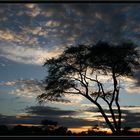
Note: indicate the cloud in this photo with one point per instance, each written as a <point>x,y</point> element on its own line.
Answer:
<point>6,34</point>
<point>137,77</point>
<point>33,10</point>
<point>54,26</point>
<point>33,30</point>
<point>30,5</point>
<point>68,118</point>
<point>27,55</point>
<point>92,113</point>
<point>74,99</point>
<point>31,88</point>
<point>35,114</point>
<point>132,85</point>
<point>4,119</point>
<point>92,22</point>
<point>26,88</point>
<point>130,115</point>
<point>133,89</point>
<point>131,108</point>
<point>48,111</point>
<point>131,119</point>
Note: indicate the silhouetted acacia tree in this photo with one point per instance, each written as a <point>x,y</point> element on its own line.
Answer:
<point>78,71</point>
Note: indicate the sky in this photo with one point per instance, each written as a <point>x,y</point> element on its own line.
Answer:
<point>30,33</point>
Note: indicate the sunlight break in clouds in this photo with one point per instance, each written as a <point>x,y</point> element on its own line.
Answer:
<point>130,85</point>
<point>27,55</point>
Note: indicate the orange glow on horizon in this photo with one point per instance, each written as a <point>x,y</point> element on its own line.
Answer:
<point>86,128</point>
<point>79,129</point>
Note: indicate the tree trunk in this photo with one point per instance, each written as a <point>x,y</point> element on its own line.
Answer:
<point>119,112</point>
<point>116,90</point>
<point>113,116</point>
<point>103,114</point>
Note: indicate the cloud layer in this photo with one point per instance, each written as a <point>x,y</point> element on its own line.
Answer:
<point>31,88</point>
<point>69,118</point>
<point>42,30</point>
<point>27,55</point>
<point>26,88</point>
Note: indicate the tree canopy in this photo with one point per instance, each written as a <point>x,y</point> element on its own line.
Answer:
<point>77,69</point>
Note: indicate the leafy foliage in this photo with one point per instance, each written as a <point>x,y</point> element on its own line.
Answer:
<point>120,58</point>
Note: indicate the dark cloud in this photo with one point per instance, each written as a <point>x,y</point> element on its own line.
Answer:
<point>53,26</point>
<point>4,119</point>
<point>63,117</point>
<point>35,114</point>
<point>130,115</point>
<point>137,77</point>
<point>131,119</point>
<point>49,111</point>
<point>78,21</point>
